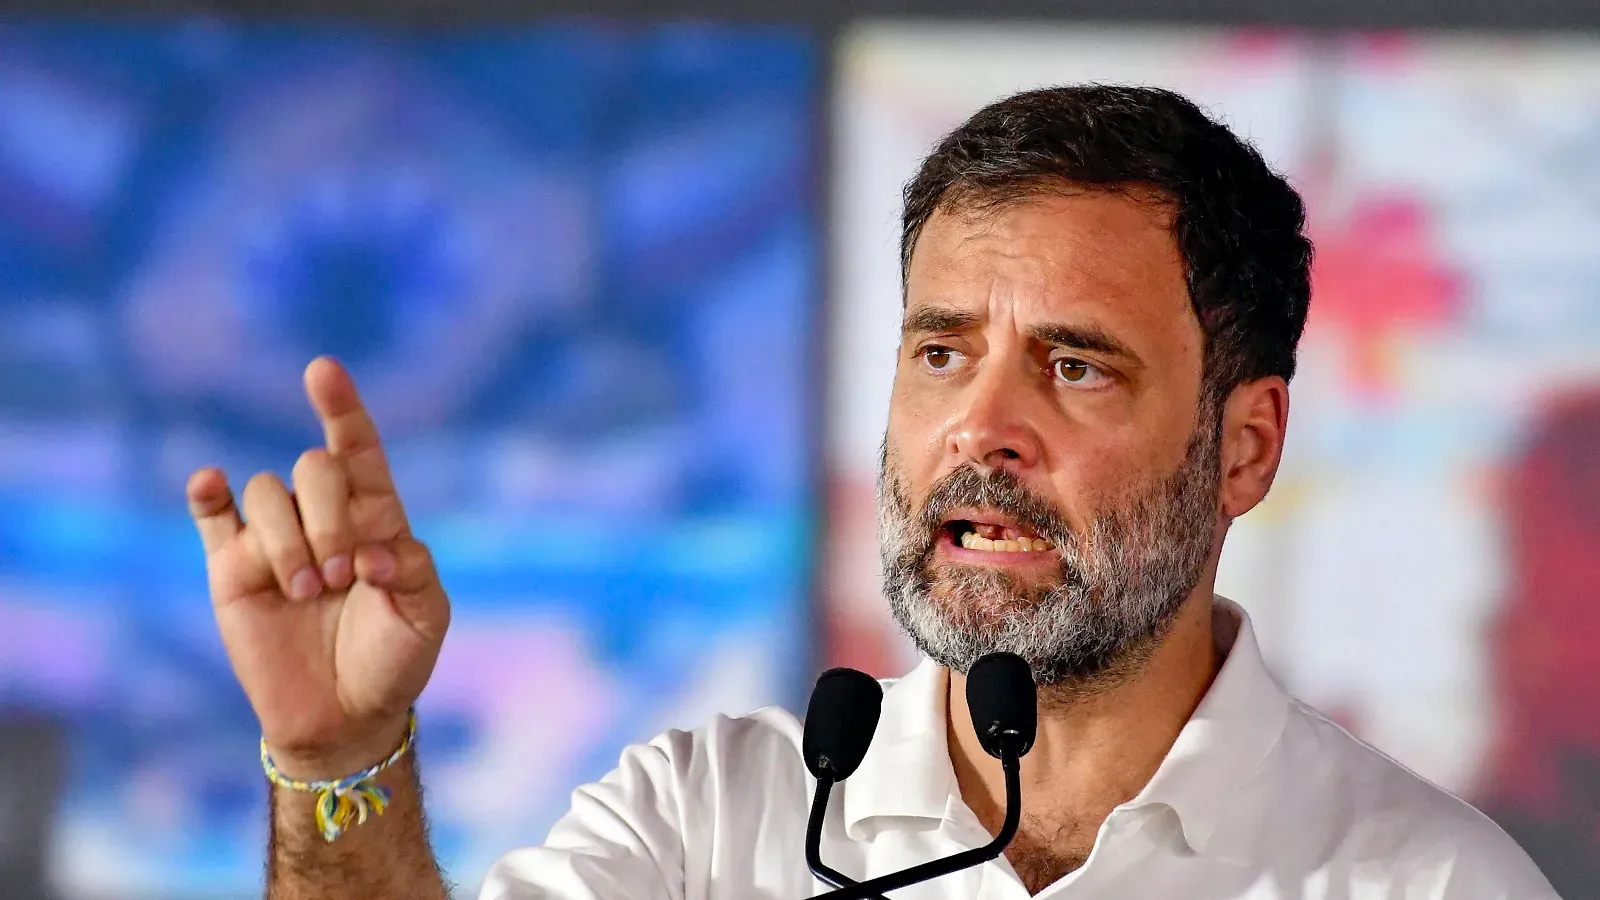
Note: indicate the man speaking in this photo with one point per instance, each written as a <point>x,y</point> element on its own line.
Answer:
<point>1103,290</point>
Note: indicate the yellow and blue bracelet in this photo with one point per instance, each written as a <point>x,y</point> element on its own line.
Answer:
<point>352,797</point>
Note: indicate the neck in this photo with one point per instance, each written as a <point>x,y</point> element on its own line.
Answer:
<point>1095,749</point>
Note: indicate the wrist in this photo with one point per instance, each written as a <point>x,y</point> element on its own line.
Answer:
<point>344,758</point>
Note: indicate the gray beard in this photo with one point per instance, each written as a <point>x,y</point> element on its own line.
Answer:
<point>1121,585</point>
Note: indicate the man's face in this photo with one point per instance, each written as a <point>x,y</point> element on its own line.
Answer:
<point>1050,481</point>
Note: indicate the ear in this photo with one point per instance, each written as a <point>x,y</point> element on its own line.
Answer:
<point>1254,421</point>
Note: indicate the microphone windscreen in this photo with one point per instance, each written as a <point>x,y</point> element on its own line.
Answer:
<point>1004,703</point>
<point>840,719</point>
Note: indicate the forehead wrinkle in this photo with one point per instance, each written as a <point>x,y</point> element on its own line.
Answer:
<point>1071,265</point>
<point>1099,264</point>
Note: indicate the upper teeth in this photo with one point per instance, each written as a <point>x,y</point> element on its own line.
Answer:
<point>973,541</point>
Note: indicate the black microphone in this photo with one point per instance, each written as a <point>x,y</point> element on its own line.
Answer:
<point>1005,713</point>
<point>1004,704</point>
<point>840,720</point>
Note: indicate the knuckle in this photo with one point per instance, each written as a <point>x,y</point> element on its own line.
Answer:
<point>313,461</point>
<point>287,560</point>
<point>417,555</point>
<point>260,485</point>
<point>327,538</point>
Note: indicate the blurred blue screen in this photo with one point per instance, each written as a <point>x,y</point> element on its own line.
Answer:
<point>573,270</point>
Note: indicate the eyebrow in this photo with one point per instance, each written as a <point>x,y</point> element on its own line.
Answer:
<point>929,319</point>
<point>1088,338</point>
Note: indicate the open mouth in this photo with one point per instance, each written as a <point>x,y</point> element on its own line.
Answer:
<point>995,536</point>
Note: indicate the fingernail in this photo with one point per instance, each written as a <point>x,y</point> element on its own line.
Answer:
<point>382,560</point>
<point>336,571</point>
<point>305,584</point>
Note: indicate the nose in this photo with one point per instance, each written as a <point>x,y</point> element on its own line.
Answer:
<point>994,432</point>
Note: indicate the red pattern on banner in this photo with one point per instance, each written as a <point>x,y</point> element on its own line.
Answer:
<point>1379,273</point>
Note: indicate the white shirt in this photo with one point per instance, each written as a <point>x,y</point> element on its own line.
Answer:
<point>1260,798</point>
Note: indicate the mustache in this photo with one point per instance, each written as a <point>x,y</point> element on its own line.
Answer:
<point>1001,491</point>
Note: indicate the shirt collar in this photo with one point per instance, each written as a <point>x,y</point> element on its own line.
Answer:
<point>907,770</point>
<point>1236,725</point>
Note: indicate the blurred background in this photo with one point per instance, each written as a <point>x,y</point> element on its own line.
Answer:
<point>623,296</point>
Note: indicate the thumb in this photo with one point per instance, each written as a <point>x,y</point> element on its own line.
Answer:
<point>404,569</point>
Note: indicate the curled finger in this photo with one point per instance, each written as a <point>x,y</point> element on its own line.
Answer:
<point>322,493</point>
<point>273,522</point>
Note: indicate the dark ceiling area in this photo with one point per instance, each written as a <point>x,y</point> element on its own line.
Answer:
<point>1500,15</point>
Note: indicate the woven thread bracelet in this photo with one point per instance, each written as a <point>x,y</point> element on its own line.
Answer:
<point>352,797</point>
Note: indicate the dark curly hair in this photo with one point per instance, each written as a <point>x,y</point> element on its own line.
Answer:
<point>1239,226</point>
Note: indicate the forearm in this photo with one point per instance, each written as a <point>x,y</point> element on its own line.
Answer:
<point>387,856</point>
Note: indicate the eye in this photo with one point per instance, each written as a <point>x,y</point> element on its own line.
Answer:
<point>940,359</point>
<point>1075,371</point>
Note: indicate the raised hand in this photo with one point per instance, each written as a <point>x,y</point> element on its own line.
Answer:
<point>331,612</point>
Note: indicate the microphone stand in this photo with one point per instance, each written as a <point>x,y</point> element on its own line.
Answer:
<point>819,811</point>
<point>866,890</point>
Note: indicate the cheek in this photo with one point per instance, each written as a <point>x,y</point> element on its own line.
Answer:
<point>1093,475</point>
<point>918,424</point>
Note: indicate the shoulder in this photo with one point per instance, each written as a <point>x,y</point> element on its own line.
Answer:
<point>697,770</point>
<point>765,741</point>
<point>1392,819</point>
<point>652,820</point>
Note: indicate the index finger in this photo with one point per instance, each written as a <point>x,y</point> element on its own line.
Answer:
<point>347,428</point>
